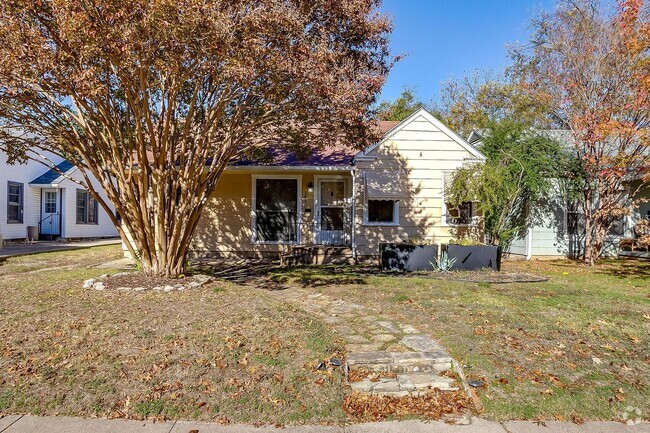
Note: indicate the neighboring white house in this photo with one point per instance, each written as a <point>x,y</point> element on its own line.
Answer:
<point>558,230</point>
<point>52,205</point>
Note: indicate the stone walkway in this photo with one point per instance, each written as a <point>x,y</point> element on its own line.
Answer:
<point>376,344</point>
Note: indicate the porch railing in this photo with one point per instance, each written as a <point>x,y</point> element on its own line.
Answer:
<point>53,224</point>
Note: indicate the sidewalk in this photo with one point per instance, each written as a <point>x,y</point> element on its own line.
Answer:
<point>19,249</point>
<point>33,424</point>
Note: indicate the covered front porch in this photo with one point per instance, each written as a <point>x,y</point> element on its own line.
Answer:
<point>301,214</point>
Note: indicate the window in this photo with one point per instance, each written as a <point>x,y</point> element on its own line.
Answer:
<point>383,212</point>
<point>275,218</point>
<point>617,227</point>
<point>50,202</point>
<point>455,215</point>
<point>14,203</point>
<point>86,208</point>
<point>332,205</point>
<point>574,219</point>
<point>460,215</point>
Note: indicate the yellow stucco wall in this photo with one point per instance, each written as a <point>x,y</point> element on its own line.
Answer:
<point>225,226</point>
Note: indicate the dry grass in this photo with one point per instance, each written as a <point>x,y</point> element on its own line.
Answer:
<point>221,352</point>
<point>574,347</point>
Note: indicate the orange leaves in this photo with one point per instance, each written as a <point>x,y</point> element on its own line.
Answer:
<point>433,405</point>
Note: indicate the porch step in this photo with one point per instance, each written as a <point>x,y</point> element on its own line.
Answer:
<point>408,384</point>
<point>400,362</point>
<point>325,255</point>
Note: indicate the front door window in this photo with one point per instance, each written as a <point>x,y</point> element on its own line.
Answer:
<point>332,217</point>
<point>332,199</point>
<point>50,202</point>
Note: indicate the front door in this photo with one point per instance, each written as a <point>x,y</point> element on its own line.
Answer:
<point>50,223</point>
<point>332,216</point>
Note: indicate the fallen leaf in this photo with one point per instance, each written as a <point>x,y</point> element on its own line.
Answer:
<point>596,361</point>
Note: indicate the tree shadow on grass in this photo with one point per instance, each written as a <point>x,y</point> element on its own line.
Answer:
<point>625,268</point>
<point>270,276</point>
<point>621,268</point>
<point>324,275</point>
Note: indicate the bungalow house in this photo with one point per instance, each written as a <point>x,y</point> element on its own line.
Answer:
<point>42,204</point>
<point>340,203</point>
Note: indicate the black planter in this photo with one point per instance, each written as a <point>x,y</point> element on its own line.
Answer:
<point>473,257</point>
<point>407,257</point>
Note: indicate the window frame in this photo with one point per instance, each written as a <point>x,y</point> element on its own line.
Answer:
<point>366,214</point>
<point>88,198</point>
<point>47,202</point>
<point>299,195</point>
<point>20,204</point>
<point>445,209</point>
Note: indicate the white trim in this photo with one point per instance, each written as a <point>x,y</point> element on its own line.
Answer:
<point>394,223</point>
<point>254,178</point>
<point>444,204</point>
<point>317,205</point>
<point>429,117</point>
<point>443,208</point>
<point>289,168</point>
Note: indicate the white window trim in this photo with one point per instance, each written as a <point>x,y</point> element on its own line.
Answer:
<point>443,217</point>
<point>316,218</point>
<point>395,221</point>
<point>254,178</point>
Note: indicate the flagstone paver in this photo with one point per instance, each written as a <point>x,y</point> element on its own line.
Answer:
<point>377,344</point>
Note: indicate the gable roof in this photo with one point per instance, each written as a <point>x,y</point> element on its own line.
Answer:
<point>437,123</point>
<point>52,175</point>
<point>318,156</point>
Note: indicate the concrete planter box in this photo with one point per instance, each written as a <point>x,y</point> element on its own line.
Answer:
<point>407,257</point>
<point>473,257</point>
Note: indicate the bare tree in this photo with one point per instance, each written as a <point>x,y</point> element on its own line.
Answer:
<point>154,99</point>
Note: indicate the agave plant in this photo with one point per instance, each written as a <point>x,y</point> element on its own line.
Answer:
<point>444,263</point>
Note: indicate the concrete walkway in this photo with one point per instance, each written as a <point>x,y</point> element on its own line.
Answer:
<point>13,250</point>
<point>33,424</point>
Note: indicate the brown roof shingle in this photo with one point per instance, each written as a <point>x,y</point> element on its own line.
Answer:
<point>325,156</point>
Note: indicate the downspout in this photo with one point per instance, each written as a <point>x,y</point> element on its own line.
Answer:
<point>529,244</point>
<point>353,213</point>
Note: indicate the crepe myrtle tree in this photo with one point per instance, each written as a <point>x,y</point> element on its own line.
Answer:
<point>155,98</point>
<point>590,68</point>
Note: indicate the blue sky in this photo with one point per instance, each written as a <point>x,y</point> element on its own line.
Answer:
<point>449,38</point>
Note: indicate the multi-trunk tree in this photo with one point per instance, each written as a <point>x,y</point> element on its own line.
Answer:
<point>587,66</point>
<point>154,98</point>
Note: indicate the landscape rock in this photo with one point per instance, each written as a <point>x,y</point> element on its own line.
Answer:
<point>99,286</point>
<point>89,283</point>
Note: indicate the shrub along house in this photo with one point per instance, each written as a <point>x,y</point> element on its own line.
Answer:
<point>340,203</point>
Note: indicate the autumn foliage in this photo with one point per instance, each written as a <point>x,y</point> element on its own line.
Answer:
<point>591,69</point>
<point>154,98</point>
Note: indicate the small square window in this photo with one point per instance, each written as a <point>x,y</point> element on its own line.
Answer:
<point>382,211</point>
<point>461,215</point>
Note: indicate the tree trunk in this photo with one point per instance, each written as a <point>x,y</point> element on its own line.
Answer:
<point>588,211</point>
